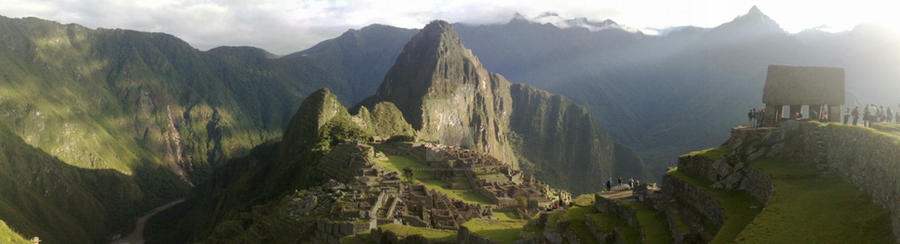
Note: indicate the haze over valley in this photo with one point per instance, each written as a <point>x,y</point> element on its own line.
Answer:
<point>506,127</point>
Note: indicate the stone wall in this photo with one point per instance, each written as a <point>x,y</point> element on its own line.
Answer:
<point>628,214</point>
<point>694,197</point>
<point>758,184</point>
<point>867,158</point>
<point>344,228</point>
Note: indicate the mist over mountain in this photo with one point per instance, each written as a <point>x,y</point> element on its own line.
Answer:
<point>100,125</point>
<point>681,91</point>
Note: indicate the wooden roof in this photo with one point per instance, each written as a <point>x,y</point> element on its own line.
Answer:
<point>803,85</point>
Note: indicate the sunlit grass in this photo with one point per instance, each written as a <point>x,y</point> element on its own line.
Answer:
<point>425,177</point>
<point>505,215</point>
<point>715,153</point>
<point>499,231</point>
<point>811,208</point>
<point>8,235</point>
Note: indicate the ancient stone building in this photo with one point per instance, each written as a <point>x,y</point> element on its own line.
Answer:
<point>796,86</point>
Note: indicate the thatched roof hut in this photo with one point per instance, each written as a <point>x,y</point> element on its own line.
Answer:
<point>800,85</point>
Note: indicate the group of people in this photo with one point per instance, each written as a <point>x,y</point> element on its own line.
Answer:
<point>630,184</point>
<point>871,113</point>
<point>756,117</point>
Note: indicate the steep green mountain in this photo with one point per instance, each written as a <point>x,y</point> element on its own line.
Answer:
<point>111,98</point>
<point>361,57</point>
<point>250,192</point>
<point>448,97</point>
<point>246,199</point>
<point>563,144</point>
<point>60,203</point>
<point>128,102</point>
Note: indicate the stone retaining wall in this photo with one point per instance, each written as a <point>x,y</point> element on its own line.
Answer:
<point>696,198</point>
<point>628,214</point>
<point>758,184</point>
<point>868,159</point>
<point>345,228</point>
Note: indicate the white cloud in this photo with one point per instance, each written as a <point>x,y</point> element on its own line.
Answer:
<point>285,26</point>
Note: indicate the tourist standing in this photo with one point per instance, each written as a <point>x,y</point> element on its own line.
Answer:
<point>867,116</point>
<point>750,116</point>
<point>762,116</point>
<point>855,114</point>
<point>847,115</point>
<point>609,184</point>
<point>889,115</point>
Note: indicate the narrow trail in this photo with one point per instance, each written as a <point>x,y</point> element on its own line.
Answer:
<point>137,236</point>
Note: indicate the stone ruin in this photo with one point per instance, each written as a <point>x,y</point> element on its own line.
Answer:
<point>424,208</point>
<point>489,177</point>
<point>795,86</point>
<point>362,194</point>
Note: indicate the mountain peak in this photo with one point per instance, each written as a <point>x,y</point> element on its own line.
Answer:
<point>753,22</point>
<point>438,28</point>
<point>433,62</point>
<point>754,11</point>
<point>754,16</point>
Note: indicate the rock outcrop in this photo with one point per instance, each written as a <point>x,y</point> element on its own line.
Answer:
<point>450,98</point>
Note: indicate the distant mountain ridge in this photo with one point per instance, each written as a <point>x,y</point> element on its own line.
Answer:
<point>663,95</point>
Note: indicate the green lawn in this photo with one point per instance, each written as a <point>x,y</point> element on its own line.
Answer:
<point>506,215</point>
<point>403,231</point>
<point>585,200</point>
<point>425,177</point>
<point>653,223</point>
<point>738,206</point>
<point>500,231</point>
<point>807,208</point>
<point>715,153</point>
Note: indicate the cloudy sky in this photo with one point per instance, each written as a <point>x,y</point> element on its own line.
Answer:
<point>285,26</point>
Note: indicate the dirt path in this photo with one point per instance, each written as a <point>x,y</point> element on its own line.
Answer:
<point>137,237</point>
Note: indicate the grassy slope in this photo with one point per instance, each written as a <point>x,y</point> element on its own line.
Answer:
<point>425,177</point>
<point>807,208</point>
<point>653,223</point>
<point>737,206</point>
<point>131,101</point>
<point>715,153</point>
<point>504,231</point>
<point>8,235</point>
<point>42,196</point>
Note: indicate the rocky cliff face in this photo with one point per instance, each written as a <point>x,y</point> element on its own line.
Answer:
<point>562,143</point>
<point>449,97</point>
